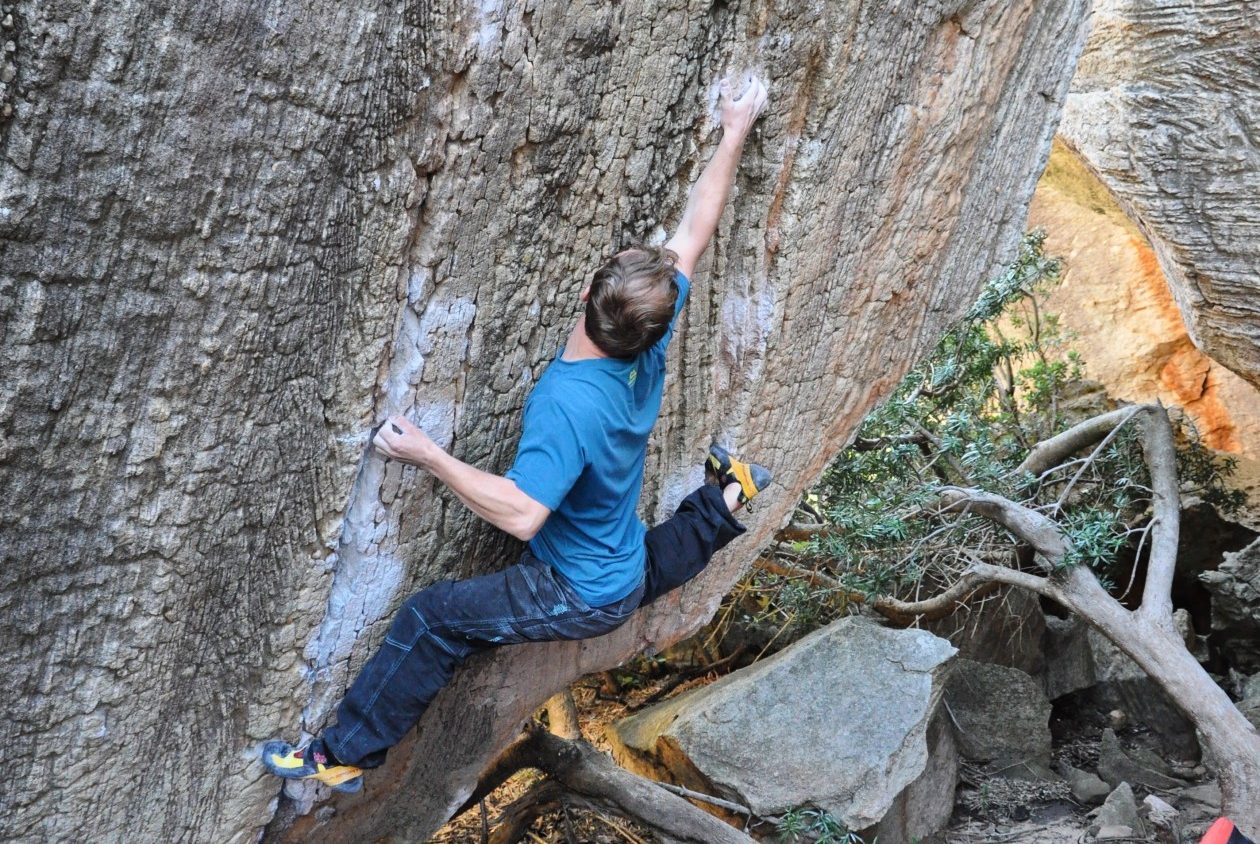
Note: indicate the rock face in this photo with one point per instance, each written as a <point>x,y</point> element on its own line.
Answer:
<point>1235,588</point>
<point>1115,302</point>
<point>1163,108</point>
<point>1002,715</point>
<point>839,721</point>
<point>235,235</point>
<point>1008,628</point>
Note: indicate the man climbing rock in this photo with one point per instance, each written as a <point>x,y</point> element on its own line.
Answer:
<point>572,494</point>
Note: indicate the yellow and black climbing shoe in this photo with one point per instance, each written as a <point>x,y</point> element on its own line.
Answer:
<point>281,759</point>
<point>727,470</point>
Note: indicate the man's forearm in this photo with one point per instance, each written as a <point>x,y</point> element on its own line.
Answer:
<point>709,194</point>
<point>492,497</point>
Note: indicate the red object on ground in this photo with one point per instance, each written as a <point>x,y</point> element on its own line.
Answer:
<point>1224,832</point>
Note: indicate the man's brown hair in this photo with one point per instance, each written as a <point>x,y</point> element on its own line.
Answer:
<point>632,300</point>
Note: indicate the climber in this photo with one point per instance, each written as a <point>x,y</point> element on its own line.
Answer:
<point>571,493</point>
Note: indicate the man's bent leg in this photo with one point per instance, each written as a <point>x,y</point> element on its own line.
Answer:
<point>679,548</point>
<point>438,628</point>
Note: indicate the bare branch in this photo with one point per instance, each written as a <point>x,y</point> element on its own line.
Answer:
<point>1161,458</point>
<point>1049,453</point>
<point>1028,525</point>
<point>967,587</point>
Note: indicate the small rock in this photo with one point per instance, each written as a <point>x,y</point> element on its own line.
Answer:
<point>1118,719</point>
<point>1164,818</point>
<point>1116,767</point>
<point>1119,810</point>
<point>1251,687</point>
<point>1087,788</point>
<point>7,23</point>
<point>1207,795</point>
<point>1113,833</point>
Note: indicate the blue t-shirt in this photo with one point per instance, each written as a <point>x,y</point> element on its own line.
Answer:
<point>581,455</point>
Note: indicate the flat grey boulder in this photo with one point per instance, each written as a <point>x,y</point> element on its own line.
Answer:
<point>837,721</point>
<point>1002,716</point>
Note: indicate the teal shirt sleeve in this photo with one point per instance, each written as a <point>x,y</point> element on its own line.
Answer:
<point>550,457</point>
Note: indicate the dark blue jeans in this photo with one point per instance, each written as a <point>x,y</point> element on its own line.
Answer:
<point>440,626</point>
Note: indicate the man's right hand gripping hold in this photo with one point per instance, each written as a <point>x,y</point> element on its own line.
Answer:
<point>572,493</point>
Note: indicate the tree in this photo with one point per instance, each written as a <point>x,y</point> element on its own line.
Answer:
<point>235,235</point>
<point>974,473</point>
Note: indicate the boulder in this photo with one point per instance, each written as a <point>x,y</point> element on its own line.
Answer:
<point>1087,788</point>
<point>1007,628</point>
<point>1164,820</point>
<point>839,720</point>
<point>925,805</point>
<point>1002,716</point>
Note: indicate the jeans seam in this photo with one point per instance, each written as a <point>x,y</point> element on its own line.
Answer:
<point>393,669</point>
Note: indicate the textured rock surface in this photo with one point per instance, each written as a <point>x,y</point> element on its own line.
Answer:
<point>1165,107</point>
<point>1115,302</point>
<point>234,235</point>
<point>1235,588</point>
<point>1008,628</point>
<point>1002,715</point>
<point>925,806</point>
<point>839,721</point>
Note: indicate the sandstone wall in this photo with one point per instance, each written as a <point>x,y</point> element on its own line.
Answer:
<point>1165,108</point>
<point>234,235</point>
<point>1115,303</point>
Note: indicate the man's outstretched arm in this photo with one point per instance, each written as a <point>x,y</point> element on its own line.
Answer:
<point>708,196</point>
<point>496,499</point>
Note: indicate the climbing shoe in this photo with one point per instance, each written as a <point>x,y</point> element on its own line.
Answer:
<point>281,759</point>
<point>727,470</point>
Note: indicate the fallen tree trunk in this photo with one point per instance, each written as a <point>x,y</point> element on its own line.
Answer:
<point>236,235</point>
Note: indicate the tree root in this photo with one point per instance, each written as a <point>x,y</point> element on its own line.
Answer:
<point>582,776</point>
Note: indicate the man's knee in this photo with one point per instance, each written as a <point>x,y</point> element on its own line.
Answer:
<point>417,614</point>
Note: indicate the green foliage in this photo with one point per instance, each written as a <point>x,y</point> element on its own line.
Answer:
<point>807,824</point>
<point>999,382</point>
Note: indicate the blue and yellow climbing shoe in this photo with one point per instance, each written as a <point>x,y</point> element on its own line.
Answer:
<point>727,470</point>
<point>281,759</point>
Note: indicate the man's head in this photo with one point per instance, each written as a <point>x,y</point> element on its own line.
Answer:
<point>631,300</point>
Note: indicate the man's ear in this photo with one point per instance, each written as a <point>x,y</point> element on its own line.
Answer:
<point>585,294</point>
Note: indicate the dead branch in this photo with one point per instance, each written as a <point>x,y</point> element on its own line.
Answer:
<point>595,781</point>
<point>1161,459</point>
<point>541,798</point>
<point>1028,525</point>
<point>876,443</point>
<point>1048,454</point>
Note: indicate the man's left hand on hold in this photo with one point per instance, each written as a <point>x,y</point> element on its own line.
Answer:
<point>400,440</point>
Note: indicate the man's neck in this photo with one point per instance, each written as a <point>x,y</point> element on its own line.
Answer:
<point>580,346</point>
